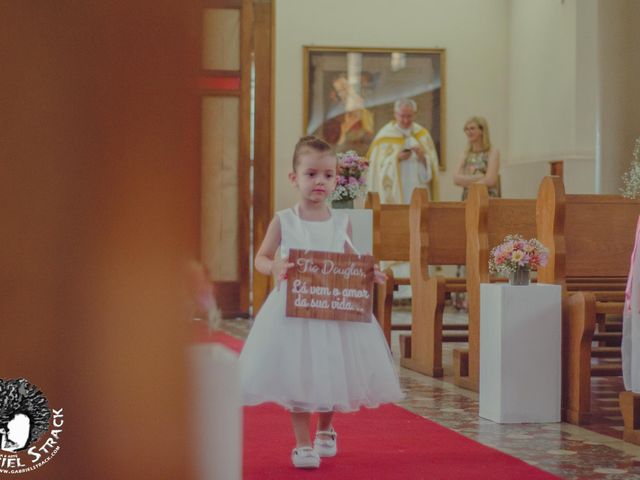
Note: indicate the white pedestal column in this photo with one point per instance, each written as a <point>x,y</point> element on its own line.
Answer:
<point>217,412</point>
<point>520,362</point>
<point>361,228</point>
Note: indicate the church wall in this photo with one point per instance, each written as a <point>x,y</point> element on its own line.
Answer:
<point>555,78</point>
<point>552,105</point>
<point>618,95</point>
<point>474,35</point>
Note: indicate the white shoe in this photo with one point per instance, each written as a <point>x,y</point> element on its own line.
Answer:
<point>305,457</point>
<point>327,445</point>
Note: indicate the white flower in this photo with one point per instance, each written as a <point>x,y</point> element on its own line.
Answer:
<point>631,178</point>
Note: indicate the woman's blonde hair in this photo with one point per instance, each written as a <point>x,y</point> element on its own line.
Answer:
<point>484,127</point>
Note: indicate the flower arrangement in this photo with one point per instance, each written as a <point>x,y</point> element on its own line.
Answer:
<point>517,253</point>
<point>631,178</point>
<point>351,178</point>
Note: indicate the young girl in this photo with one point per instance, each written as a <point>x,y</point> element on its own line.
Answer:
<point>309,365</point>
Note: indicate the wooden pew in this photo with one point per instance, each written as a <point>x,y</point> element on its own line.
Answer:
<point>590,240</point>
<point>488,220</point>
<point>390,243</point>
<point>556,167</point>
<point>437,237</point>
<point>579,333</point>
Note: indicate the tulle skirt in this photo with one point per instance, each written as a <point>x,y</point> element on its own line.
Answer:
<point>315,365</point>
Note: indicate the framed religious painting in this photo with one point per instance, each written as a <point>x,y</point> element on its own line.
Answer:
<point>349,93</point>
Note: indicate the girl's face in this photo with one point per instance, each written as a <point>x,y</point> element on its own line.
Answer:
<point>315,176</point>
<point>473,132</point>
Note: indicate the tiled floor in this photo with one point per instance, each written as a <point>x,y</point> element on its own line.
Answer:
<point>565,450</point>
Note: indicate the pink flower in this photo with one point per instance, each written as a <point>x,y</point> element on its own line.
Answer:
<point>350,175</point>
<point>516,252</point>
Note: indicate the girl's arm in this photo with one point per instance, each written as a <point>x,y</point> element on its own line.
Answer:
<point>462,179</point>
<point>378,276</point>
<point>490,179</point>
<point>267,262</point>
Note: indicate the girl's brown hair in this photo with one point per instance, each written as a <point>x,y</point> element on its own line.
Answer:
<point>309,142</point>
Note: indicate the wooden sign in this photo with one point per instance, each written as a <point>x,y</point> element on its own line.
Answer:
<point>330,286</point>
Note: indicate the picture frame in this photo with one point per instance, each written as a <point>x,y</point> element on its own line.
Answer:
<point>349,93</point>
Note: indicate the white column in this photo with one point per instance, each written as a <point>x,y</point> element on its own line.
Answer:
<point>217,412</point>
<point>520,362</point>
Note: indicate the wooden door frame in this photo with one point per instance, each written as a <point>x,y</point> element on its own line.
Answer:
<point>233,295</point>
<point>263,165</point>
<point>256,48</point>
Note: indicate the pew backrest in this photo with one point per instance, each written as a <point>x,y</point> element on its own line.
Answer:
<point>488,220</point>
<point>587,235</point>
<point>390,229</point>
<point>437,232</point>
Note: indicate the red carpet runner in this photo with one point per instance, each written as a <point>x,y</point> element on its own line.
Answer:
<point>384,443</point>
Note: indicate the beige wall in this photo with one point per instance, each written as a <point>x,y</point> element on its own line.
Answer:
<point>573,70</point>
<point>552,94</point>
<point>542,79</point>
<point>556,79</point>
<point>474,34</point>
<point>618,95</point>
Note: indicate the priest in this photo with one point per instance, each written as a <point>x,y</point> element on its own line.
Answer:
<point>402,157</point>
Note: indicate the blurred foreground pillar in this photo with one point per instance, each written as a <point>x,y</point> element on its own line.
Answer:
<point>99,135</point>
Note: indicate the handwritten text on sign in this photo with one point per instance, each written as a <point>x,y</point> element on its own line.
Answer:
<point>330,286</point>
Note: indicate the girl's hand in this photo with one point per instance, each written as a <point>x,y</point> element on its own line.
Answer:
<point>378,276</point>
<point>279,269</point>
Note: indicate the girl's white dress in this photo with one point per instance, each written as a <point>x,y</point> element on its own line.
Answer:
<point>315,365</point>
